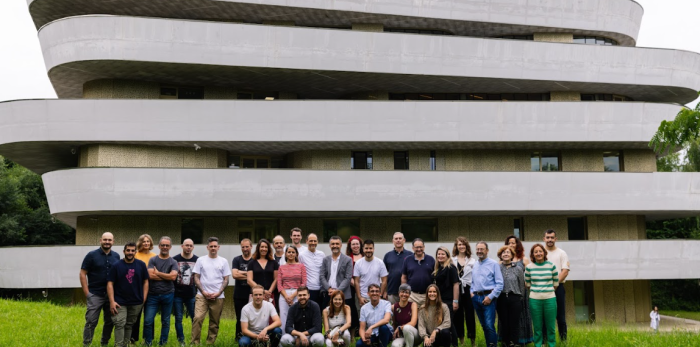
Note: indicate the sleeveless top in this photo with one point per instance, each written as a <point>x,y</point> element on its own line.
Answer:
<point>337,320</point>
<point>402,315</point>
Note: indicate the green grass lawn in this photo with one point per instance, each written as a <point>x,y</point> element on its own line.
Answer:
<point>44,324</point>
<point>682,314</point>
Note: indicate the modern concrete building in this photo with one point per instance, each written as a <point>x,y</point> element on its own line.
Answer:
<point>245,118</point>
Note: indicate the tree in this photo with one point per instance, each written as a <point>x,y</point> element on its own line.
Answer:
<point>678,133</point>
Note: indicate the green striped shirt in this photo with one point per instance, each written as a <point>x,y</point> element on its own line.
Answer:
<point>541,278</point>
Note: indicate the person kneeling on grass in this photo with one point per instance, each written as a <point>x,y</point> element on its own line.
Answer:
<point>375,316</point>
<point>255,321</point>
<point>434,320</point>
<point>303,326</point>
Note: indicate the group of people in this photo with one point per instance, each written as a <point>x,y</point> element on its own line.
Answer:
<point>296,295</point>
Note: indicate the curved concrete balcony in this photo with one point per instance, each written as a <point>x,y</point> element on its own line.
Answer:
<point>590,260</point>
<point>617,19</point>
<point>324,63</point>
<point>124,191</point>
<point>40,134</point>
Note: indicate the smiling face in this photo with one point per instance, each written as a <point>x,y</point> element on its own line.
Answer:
<point>278,243</point>
<point>461,247</point>
<point>130,253</point>
<point>337,301</point>
<point>441,256</point>
<point>512,243</point>
<point>303,297</point>
<point>432,293</point>
<point>335,246</point>
<point>355,247</point>
<point>146,245</point>
<point>291,255</point>
<point>418,249</point>
<point>374,294</point>
<point>539,254</point>
<point>245,248</point>
<point>404,295</point>
<point>398,240</point>
<point>164,247</point>
<point>312,242</point>
<point>258,296</point>
<point>506,255</point>
<point>296,237</point>
<point>481,251</point>
<point>263,250</point>
<point>106,241</point>
<point>550,239</point>
<point>369,251</point>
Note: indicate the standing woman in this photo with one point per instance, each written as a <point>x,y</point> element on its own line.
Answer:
<point>525,336</point>
<point>354,251</point>
<point>446,278</point>
<point>655,319</point>
<point>144,246</point>
<point>262,270</point>
<point>290,276</point>
<point>510,302</point>
<point>336,320</point>
<point>434,320</point>
<point>542,278</point>
<point>462,259</point>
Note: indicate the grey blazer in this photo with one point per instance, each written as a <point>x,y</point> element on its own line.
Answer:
<point>343,277</point>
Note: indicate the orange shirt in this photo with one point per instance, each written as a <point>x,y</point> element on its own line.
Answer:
<point>145,257</point>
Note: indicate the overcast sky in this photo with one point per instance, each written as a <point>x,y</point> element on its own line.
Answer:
<point>666,24</point>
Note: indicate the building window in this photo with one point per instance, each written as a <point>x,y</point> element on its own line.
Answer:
<point>401,160</point>
<point>255,162</point>
<point>181,93</point>
<point>361,161</point>
<point>192,228</point>
<point>341,227</point>
<point>471,96</point>
<point>424,228</point>
<point>583,301</point>
<point>417,31</point>
<point>544,161</point>
<point>519,228</point>
<point>612,161</point>
<point>594,40</point>
<point>605,97</point>
<point>433,161</point>
<point>257,228</point>
<point>518,37</point>
<point>578,228</point>
<point>257,95</point>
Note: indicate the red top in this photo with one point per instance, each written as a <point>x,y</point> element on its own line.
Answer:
<point>291,276</point>
<point>402,315</point>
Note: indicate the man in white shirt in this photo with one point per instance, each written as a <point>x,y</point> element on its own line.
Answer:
<point>560,259</point>
<point>313,260</point>
<point>296,236</point>
<point>211,275</point>
<point>369,270</point>
<point>255,321</point>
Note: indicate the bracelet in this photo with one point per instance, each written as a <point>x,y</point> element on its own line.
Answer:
<point>455,301</point>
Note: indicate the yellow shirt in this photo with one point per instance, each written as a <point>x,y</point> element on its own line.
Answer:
<point>145,257</point>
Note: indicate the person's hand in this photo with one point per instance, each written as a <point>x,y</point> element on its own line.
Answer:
<point>304,340</point>
<point>427,342</point>
<point>290,301</point>
<point>362,301</point>
<point>114,307</point>
<point>432,337</point>
<point>487,301</point>
<point>368,334</point>
<point>331,291</point>
<point>396,333</point>
<point>455,306</point>
<point>334,339</point>
<point>384,296</point>
<point>263,335</point>
<point>472,294</point>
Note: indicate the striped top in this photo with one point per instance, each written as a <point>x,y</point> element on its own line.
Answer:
<point>541,278</point>
<point>291,276</point>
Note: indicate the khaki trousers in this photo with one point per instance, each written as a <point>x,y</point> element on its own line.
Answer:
<point>201,307</point>
<point>419,299</point>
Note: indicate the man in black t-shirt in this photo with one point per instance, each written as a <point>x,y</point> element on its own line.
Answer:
<point>241,291</point>
<point>185,289</point>
<point>127,289</point>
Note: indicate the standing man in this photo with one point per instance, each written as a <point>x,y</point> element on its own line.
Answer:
<point>560,259</point>
<point>296,237</point>
<point>185,289</point>
<point>375,321</point>
<point>127,289</point>
<point>487,284</point>
<point>336,273</point>
<point>417,271</point>
<point>313,260</point>
<point>279,246</point>
<point>162,272</point>
<point>368,270</point>
<point>211,278</point>
<point>255,321</point>
<point>241,291</point>
<point>303,326</point>
<point>94,273</point>
<point>394,265</point>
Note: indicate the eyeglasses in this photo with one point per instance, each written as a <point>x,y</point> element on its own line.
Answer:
<point>165,246</point>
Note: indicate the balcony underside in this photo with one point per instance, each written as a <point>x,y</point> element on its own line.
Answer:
<point>250,192</point>
<point>41,134</point>
<point>323,63</point>
<point>616,19</point>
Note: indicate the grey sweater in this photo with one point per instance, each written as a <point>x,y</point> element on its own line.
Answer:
<point>426,320</point>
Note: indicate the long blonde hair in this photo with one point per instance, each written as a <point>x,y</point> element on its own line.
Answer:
<point>446,264</point>
<point>438,304</point>
<point>139,243</point>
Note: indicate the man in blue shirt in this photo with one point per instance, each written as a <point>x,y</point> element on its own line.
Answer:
<point>417,271</point>
<point>394,264</point>
<point>375,319</point>
<point>93,279</point>
<point>487,284</point>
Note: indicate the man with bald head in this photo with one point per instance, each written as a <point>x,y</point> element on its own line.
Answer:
<point>312,259</point>
<point>185,290</point>
<point>94,273</point>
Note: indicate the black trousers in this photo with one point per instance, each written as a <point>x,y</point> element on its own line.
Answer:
<point>238,304</point>
<point>465,314</point>
<point>453,331</point>
<point>443,338</point>
<point>509,309</point>
<point>315,296</point>
<point>560,292</point>
<point>354,315</point>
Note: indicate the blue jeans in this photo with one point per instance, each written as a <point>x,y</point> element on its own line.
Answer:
<point>385,336</point>
<point>487,318</point>
<point>177,308</point>
<point>155,303</point>
<point>274,336</point>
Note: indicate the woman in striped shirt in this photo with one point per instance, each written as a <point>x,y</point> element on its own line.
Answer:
<point>542,278</point>
<point>290,276</point>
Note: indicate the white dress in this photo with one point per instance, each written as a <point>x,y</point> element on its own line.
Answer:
<point>655,318</point>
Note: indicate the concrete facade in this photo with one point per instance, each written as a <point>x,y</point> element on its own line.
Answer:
<point>113,155</point>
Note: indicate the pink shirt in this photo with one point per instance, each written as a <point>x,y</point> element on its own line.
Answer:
<point>291,276</point>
